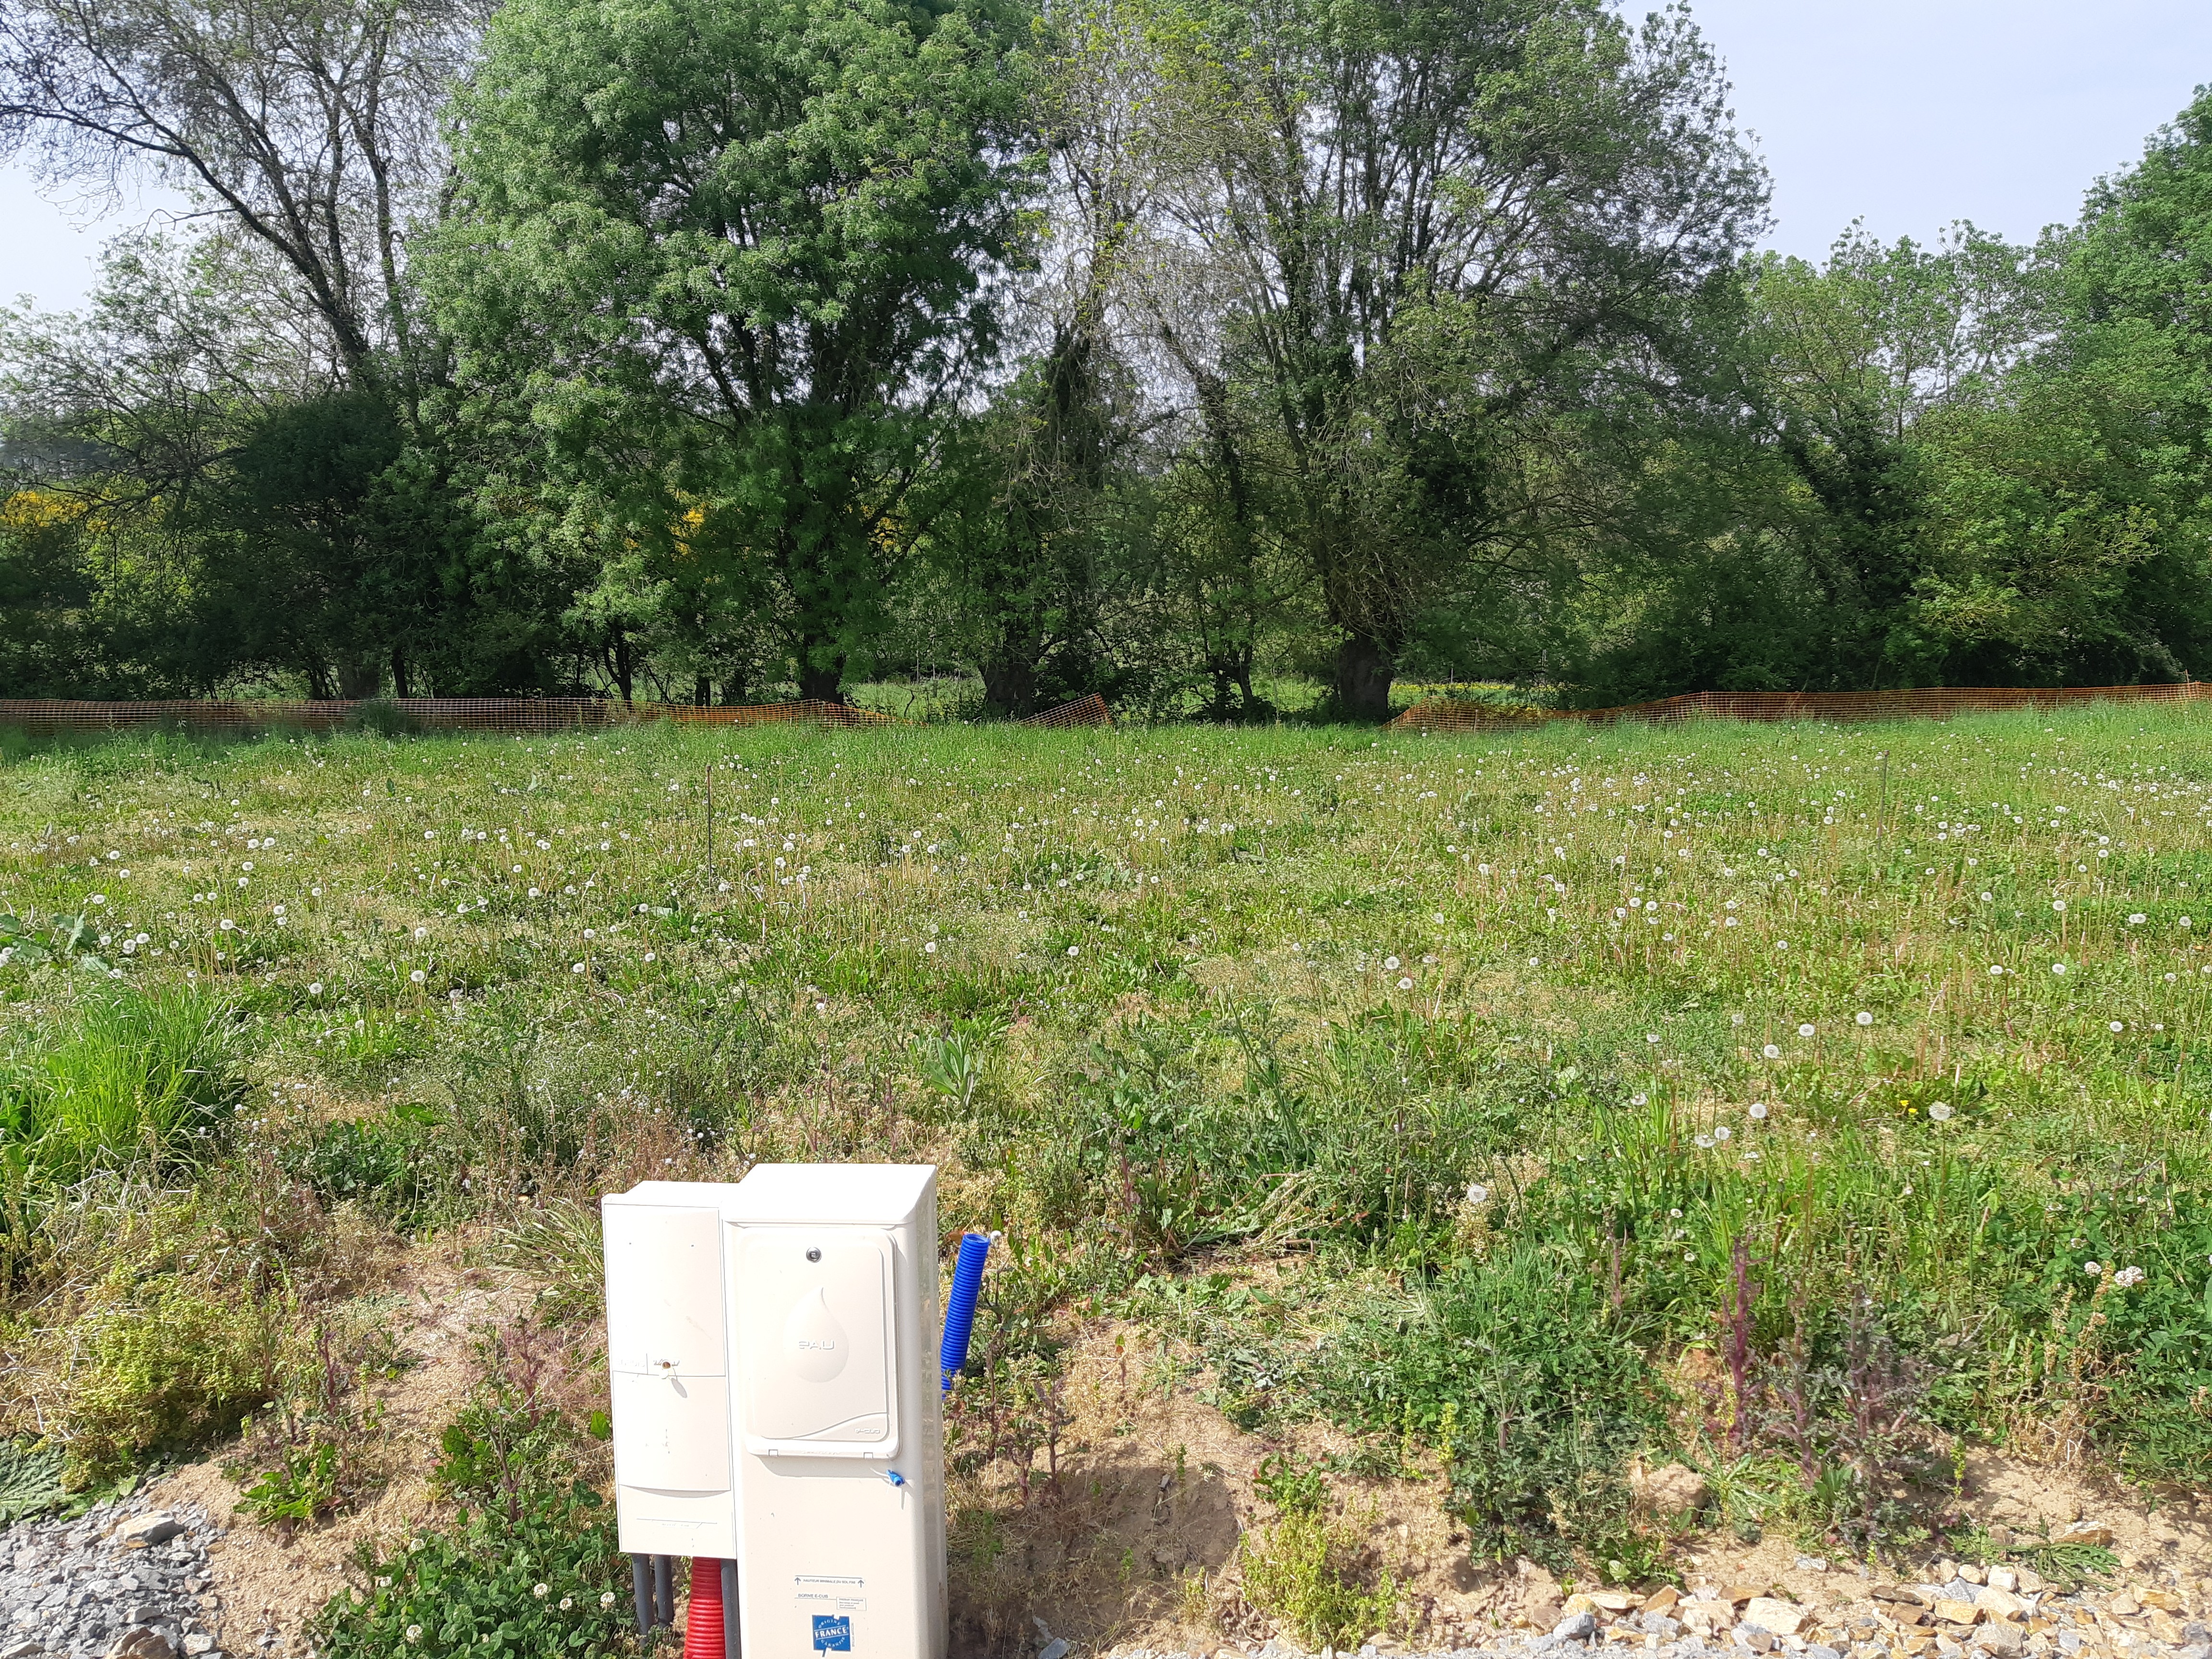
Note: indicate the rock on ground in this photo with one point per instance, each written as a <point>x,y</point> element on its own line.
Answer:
<point>123,1581</point>
<point>1958,1619</point>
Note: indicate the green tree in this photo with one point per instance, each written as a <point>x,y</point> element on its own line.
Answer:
<point>1844,363</point>
<point>1420,229</point>
<point>729,263</point>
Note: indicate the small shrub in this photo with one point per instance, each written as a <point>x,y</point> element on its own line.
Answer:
<point>531,1566</point>
<point>167,1369</point>
<point>1550,1398</point>
<point>390,1166</point>
<point>1309,1572</point>
<point>301,1488</point>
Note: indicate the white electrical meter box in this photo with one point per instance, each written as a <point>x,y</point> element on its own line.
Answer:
<point>668,1357</point>
<point>837,1437</point>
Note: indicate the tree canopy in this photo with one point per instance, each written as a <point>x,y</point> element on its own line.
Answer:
<point>1179,351</point>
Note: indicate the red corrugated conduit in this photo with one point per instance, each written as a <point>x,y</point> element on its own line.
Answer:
<point>702,1627</point>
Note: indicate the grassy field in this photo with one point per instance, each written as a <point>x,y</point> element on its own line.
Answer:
<point>1801,1103</point>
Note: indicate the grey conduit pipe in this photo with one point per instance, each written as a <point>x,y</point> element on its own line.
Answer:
<point>731,1650</point>
<point>664,1587</point>
<point>640,1588</point>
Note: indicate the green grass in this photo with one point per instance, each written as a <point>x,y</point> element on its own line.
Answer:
<point>130,1077</point>
<point>1779,1069</point>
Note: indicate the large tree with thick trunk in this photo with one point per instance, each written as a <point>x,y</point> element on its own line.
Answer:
<point>730,261</point>
<point>1407,230</point>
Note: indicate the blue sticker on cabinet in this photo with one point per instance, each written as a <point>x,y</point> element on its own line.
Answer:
<point>833,1633</point>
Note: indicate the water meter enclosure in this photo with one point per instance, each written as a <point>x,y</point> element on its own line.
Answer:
<point>771,1346</point>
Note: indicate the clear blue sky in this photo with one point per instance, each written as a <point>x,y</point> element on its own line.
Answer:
<point>1908,112</point>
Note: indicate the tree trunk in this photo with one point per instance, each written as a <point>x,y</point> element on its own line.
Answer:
<point>1363,674</point>
<point>399,686</point>
<point>360,677</point>
<point>622,674</point>
<point>1009,684</point>
<point>821,682</point>
<point>702,691</point>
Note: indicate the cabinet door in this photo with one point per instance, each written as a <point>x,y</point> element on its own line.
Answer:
<point>671,1432</point>
<point>818,1341</point>
<point>665,1292</point>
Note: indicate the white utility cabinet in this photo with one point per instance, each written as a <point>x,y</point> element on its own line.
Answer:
<point>776,1388</point>
<point>668,1357</point>
<point>840,1448</point>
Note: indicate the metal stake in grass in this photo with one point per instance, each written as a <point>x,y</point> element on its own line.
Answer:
<point>710,823</point>
<point>1881,811</point>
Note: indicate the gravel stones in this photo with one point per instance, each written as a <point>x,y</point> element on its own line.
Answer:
<point>1990,1620</point>
<point>121,1582</point>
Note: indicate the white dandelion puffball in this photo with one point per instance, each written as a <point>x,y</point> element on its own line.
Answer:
<point>576,968</point>
<point>1723,1132</point>
<point>1771,1052</point>
<point>929,949</point>
<point>315,989</point>
<point>2136,919</point>
<point>1996,970</point>
<point>1075,949</point>
<point>2058,968</point>
<point>416,977</point>
<point>1758,1109</point>
<point>2117,1026</point>
<point>1477,1193</point>
<point>1939,1112</point>
<point>1640,1098</point>
<point>2058,905</point>
<point>1805,1031</point>
<point>1405,985</point>
<point>1391,964</point>
<point>1863,1018</point>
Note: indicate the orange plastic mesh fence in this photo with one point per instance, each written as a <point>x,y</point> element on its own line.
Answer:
<point>809,711</point>
<point>1083,711</point>
<point>1930,702</point>
<point>515,714</point>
